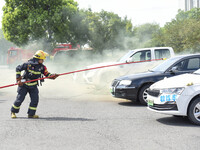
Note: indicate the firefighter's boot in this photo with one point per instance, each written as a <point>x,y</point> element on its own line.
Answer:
<point>13,115</point>
<point>34,116</point>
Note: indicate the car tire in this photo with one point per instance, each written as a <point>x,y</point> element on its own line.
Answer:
<point>194,111</point>
<point>143,94</point>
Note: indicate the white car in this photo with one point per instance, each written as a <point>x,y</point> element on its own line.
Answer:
<point>178,96</point>
<point>141,58</point>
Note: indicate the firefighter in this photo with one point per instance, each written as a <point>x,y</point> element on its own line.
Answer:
<point>33,69</point>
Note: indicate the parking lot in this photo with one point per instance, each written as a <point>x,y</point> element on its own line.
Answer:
<point>75,116</point>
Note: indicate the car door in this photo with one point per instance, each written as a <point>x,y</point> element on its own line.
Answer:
<point>142,63</point>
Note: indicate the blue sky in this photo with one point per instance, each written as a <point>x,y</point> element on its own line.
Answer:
<point>139,11</point>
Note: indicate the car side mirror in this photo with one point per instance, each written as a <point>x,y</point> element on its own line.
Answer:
<point>173,70</point>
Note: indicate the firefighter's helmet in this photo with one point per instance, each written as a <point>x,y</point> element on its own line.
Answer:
<point>40,54</point>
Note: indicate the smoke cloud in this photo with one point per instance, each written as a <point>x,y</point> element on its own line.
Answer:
<point>64,86</point>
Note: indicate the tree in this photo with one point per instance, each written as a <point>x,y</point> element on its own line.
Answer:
<point>79,28</point>
<point>107,30</point>
<point>182,33</point>
<point>143,34</point>
<point>192,14</point>
<point>30,20</point>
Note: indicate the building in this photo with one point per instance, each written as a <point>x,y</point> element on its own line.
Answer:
<point>189,4</point>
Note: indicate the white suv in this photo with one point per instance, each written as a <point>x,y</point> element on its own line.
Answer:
<point>179,96</point>
<point>141,57</point>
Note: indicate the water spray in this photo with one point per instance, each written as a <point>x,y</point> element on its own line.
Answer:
<point>82,70</point>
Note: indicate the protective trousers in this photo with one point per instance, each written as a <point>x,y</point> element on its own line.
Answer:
<point>34,95</point>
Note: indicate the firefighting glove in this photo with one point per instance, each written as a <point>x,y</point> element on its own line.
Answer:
<point>54,76</point>
<point>19,82</point>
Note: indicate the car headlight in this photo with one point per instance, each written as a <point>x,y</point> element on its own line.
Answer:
<point>177,91</point>
<point>125,82</point>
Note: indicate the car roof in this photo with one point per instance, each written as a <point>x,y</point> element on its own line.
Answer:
<point>151,48</point>
<point>186,55</point>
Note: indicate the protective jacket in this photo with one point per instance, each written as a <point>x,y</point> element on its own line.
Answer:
<point>32,70</point>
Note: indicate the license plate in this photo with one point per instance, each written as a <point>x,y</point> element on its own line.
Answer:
<point>150,102</point>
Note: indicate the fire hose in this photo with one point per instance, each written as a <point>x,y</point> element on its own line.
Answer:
<point>82,70</point>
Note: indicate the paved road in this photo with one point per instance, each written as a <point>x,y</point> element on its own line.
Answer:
<point>76,117</point>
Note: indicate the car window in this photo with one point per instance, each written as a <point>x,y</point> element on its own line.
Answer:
<point>162,53</point>
<point>188,64</point>
<point>126,56</point>
<point>141,56</point>
<point>193,64</point>
<point>13,53</point>
<point>180,65</point>
<point>166,64</point>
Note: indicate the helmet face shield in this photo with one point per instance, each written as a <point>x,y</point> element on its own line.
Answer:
<point>40,55</point>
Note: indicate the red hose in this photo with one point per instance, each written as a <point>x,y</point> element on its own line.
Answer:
<point>81,71</point>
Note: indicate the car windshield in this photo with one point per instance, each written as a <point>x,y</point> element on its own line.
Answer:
<point>125,57</point>
<point>165,65</point>
<point>197,72</point>
<point>13,53</point>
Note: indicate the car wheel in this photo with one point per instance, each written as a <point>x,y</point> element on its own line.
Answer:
<point>143,94</point>
<point>194,111</point>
